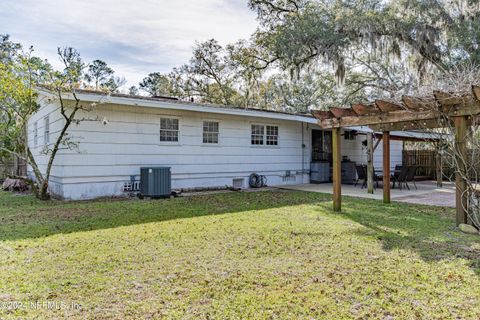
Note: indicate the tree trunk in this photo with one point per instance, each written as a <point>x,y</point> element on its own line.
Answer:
<point>43,191</point>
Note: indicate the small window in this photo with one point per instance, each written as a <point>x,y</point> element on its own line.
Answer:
<point>35,134</point>
<point>169,130</point>
<point>272,136</point>
<point>46,131</point>
<point>210,132</point>
<point>257,134</point>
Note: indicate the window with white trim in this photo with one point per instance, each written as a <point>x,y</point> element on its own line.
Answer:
<point>210,132</point>
<point>46,130</point>
<point>258,132</point>
<point>169,130</point>
<point>272,135</point>
<point>264,135</point>
<point>35,134</point>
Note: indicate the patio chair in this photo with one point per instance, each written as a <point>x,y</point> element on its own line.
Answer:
<point>411,176</point>
<point>361,175</point>
<point>377,177</point>
<point>396,174</point>
<point>402,177</point>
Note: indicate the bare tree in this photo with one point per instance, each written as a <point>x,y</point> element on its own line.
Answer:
<point>62,88</point>
<point>459,137</point>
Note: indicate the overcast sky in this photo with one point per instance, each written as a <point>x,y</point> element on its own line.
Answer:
<point>135,37</point>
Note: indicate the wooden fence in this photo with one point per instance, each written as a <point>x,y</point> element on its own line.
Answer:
<point>425,160</point>
<point>12,168</point>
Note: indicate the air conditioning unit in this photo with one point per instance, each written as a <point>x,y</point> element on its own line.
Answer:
<point>155,182</point>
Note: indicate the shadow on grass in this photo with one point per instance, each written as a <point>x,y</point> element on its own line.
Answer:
<point>24,217</point>
<point>429,231</point>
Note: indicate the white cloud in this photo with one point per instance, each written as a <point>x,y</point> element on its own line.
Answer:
<point>134,37</point>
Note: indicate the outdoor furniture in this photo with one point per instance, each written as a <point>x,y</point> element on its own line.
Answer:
<point>396,174</point>
<point>361,175</point>
<point>319,171</point>
<point>348,172</point>
<point>401,179</point>
<point>377,176</point>
<point>411,176</point>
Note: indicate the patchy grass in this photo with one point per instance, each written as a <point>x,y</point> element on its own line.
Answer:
<point>236,255</point>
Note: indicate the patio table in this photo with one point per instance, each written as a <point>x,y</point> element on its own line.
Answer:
<point>392,174</point>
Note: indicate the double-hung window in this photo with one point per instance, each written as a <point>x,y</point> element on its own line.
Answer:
<point>258,131</point>
<point>169,130</point>
<point>272,135</point>
<point>35,134</point>
<point>46,131</point>
<point>264,135</point>
<point>210,132</point>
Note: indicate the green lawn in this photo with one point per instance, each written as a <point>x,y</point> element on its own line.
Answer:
<point>237,255</point>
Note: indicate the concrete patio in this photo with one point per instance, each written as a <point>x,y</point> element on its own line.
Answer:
<point>427,193</point>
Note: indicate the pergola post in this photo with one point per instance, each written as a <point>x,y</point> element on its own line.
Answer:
<point>370,162</point>
<point>337,170</point>
<point>386,167</point>
<point>428,111</point>
<point>461,133</point>
<point>438,167</point>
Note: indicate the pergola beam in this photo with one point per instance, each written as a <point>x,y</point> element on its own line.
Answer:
<point>381,118</point>
<point>418,118</point>
<point>419,104</point>
<point>409,114</point>
<point>410,139</point>
<point>365,109</point>
<point>388,106</point>
<point>406,125</point>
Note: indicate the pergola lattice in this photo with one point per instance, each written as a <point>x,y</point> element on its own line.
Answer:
<point>440,109</point>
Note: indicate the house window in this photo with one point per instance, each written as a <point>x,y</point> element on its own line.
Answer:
<point>46,131</point>
<point>210,132</point>
<point>272,135</point>
<point>258,132</point>
<point>35,134</point>
<point>169,130</point>
<point>264,134</point>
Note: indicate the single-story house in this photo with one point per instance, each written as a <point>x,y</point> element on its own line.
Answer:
<point>205,145</point>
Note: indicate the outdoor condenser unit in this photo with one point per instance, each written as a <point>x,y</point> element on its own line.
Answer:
<point>155,182</point>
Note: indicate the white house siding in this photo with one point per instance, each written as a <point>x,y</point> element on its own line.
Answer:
<point>111,153</point>
<point>357,153</point>
<point>56,121</point>
<point>396,148</point>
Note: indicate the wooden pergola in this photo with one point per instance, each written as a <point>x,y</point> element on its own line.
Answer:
<point>411,113</point>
